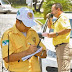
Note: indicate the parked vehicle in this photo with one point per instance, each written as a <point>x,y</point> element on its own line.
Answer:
<point>49,64</point>
<point>5,6</point>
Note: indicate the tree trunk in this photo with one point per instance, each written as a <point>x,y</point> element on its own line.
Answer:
<point>37,10</point>
<point>40,5</point>
<point>35,2</point>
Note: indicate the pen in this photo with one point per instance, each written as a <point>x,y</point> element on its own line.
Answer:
<point>29,43</point>
<point>18,60</point>
<point>38,44</point>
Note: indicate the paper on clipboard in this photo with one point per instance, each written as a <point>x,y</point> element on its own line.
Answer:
<point>28,56</point>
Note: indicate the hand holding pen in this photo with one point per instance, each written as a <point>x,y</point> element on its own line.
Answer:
<point>32,48</point>
<point>38,54</point>
<point>37,45</point>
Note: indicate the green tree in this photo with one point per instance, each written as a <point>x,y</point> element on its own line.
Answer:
<point>48,3</point>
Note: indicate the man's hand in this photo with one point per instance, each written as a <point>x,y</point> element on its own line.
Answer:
<point>38,54</point>
<point>49,16</point>
<point>42,54</point>
<point>45,34</point>
<point>50,35</point>
<point>32,49</point>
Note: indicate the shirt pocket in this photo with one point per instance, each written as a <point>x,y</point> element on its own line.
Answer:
<point>31,40</point>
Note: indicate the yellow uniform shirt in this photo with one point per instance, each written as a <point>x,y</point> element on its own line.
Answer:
<point>18,43</point>
<point>62,23</point>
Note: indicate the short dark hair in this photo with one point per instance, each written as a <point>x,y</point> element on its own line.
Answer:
<point>58,5</point>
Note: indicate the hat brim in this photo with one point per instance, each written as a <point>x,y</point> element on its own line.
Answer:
<point>29,23</point>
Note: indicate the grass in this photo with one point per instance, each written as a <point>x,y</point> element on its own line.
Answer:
<point>19,6</point>
<point>37,14</point>
<point>41,20</point>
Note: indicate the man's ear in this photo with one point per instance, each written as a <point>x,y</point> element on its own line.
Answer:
<point>17,21</point>
<point>58,9</point>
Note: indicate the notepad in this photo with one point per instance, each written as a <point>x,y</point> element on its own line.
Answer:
<point>29,56</point>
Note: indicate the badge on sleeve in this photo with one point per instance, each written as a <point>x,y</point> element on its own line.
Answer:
<point>5,42</point>
<point>34,39</point>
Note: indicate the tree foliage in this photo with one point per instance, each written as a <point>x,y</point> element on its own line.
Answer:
<point>67,6</point>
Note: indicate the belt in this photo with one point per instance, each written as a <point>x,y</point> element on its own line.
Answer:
<point>59,44</point>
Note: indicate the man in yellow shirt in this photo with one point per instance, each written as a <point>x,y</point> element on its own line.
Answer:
<point>19,41</point>
<point>61,37</point>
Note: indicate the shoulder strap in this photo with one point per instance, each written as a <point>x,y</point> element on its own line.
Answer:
<point>56,20</point>
<point>8,52</point>
<point>8,56</point>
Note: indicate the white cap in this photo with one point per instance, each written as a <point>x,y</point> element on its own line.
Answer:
<point>26,16</point>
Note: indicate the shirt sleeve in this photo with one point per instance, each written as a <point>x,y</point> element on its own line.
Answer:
<point>5,41</point>
<point>65,22</point>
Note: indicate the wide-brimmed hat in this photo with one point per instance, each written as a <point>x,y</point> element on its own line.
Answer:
<point>26,16</point>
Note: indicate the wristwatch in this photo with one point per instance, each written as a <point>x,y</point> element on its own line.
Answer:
<point>57,34</point>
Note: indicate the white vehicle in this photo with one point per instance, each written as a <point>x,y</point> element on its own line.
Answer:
<point>49,64</point>
<point>5,6</point>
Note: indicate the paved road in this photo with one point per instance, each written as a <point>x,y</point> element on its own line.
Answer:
<point>7,21</point>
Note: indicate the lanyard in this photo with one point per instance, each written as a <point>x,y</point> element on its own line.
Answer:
<point>56,20</point>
